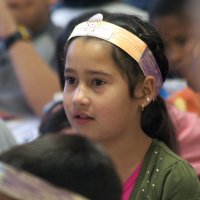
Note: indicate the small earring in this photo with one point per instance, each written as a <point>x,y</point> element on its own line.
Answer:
<point>142,107</point>
<point>148,99</point>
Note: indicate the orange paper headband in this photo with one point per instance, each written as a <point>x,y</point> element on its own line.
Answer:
<point>127,41</point>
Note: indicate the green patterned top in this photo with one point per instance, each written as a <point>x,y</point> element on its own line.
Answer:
<point>165,176</point>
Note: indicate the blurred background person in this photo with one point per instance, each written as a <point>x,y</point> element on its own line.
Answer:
<point>55,121</point>
<point>170,18</point>
<point>174,22</point>
<point>70,162</point>
<point>27,39</point>
<point>18,184</point>
<point>192,9</point>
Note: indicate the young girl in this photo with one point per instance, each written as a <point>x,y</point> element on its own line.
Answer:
<point>115,66</point>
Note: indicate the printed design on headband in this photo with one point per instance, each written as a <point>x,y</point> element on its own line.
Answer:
<point>95,27</point>
<point>146,62</point>
<point>93,22</point>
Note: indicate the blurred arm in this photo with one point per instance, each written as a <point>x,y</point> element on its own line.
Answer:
<point>38,81</point>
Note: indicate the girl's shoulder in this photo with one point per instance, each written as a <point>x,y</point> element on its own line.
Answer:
<point>164,175</point>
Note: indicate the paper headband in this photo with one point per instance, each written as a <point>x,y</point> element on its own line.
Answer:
<point>127,41</point>
<point>23,186</point>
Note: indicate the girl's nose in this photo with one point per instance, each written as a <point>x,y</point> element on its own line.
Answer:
<point>80,97</point>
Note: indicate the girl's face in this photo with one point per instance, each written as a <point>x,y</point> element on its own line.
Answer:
<point>96,96</point>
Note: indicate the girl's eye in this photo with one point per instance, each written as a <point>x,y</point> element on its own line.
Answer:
<point>70,80</point>
<point>98,82</point>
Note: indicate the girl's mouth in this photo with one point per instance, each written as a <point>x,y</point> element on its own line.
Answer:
<point>82,119</point>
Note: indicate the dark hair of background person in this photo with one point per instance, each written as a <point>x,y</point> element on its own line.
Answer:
<point>159,8</point>
<point>155,121</point>
<point>54,120</point>
<point>68,161</point>
<point>142,4</point>
<point>84,3</point>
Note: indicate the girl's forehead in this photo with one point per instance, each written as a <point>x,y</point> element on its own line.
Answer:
<point>91,42</point>
<point>90,49</point>
<point>90,55</point>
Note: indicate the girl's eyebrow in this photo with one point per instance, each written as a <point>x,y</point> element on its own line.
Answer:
<point>90,72</point>
<point>67,70</point>
<point>98,72</point>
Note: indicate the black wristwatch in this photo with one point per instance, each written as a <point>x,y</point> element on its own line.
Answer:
<point>21,34</point>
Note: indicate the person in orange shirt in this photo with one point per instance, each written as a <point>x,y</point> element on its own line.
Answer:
<point>175,26</point>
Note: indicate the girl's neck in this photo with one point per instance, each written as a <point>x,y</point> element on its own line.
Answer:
<point>127,154</point>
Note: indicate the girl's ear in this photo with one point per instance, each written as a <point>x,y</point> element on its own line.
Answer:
<point>146,91</point>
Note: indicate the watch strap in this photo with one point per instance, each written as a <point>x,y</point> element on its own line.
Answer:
<point>21,34</point>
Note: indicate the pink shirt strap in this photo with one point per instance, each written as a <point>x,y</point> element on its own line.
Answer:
<point>130,183</point>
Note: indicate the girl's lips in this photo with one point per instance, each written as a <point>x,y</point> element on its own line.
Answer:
<point>82,120</point>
